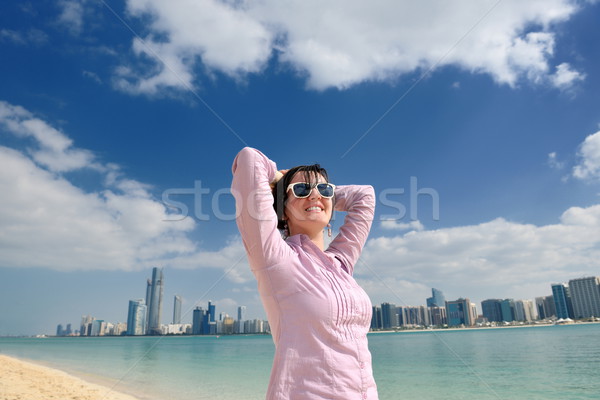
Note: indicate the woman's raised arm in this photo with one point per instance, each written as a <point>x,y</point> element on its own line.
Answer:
<point>359,203</point>
<point>256,218</point>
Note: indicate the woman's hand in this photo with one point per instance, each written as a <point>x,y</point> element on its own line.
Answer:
<point>278,175</point>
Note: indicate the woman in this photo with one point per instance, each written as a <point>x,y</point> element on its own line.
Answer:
<point>318,314</point>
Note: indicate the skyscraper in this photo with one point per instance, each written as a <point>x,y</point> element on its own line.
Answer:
<point>437,299</point>
<point>585,295</point>
<point>562,300</point>
<point>241,317</point>
<point>155,292</point>
<point>460,312</point>
<point>388,314</point>
<point>376,319</point>
<point>209,324</point>
<point>508,310</point>
<point>177,310</point>
<point>492,309</point>
<point>197,320</point>
<point>136,317</point>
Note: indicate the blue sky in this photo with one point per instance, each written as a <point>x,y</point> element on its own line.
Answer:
<point>477,124</point>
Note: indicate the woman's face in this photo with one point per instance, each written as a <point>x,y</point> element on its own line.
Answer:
<point>307,215</point>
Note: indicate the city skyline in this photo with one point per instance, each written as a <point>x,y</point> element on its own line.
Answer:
<point>119,125</point>
<point>203,322</point>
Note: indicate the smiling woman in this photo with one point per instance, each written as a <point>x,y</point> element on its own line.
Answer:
<point>318,314</point>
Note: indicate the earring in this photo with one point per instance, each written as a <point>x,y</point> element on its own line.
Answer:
<point>329,230</point>
<point>286,231</point>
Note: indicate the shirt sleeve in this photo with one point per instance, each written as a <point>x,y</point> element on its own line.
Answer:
<point>256,217</point>
<point>359,203</point>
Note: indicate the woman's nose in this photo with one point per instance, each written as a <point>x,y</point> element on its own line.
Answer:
<point>314,193</point>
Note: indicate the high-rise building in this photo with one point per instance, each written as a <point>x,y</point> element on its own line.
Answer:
<point>545,307</point>
<point>460,312</point>
<point>388,314</point>
<point>519,310</point>
<point>197,319</point>
<point>437,316</point>
<point>177,310</point>
<point>530,310</point>
<point>562,300</point>
<point>585,295</point>
<point>241,317</point>
<point>155,292</point>
<point>136,317</point>
<point>437,299</point>
<point>376,319</point>
<point>86,325</point>
<point>492,309</point>
<point>508,310</point>
<point>241,311</point>
<point>209,324</point>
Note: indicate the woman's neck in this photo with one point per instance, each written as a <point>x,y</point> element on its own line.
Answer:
<point>316,237</point>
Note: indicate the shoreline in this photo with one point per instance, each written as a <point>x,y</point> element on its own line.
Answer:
<point>479,328</point>
<point>24,379</point>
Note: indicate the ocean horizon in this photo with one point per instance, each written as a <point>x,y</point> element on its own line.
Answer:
<point>537,362</point>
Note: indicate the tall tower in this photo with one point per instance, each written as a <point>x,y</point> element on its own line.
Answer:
<point>388,315</point>
<point>136,318</point>
<point>155,301</point>
<point>241,317</point>
<point>437,299</point>
<point>585,295</point>
<point>562,300</point>
<point>177,310</point>
<point>197,321</point>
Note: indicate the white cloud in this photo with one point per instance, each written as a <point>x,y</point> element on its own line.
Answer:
<point>493,259</point>
<point>393,224</point>
<point>589,159</point>
<point>71,15</point>
<point>553,161</point>
<point>32,36</point>
<point>52,148</point>
<point>565,77</point>
<point>340,44</point>
<point>49,222</point>
<point>227,39</point>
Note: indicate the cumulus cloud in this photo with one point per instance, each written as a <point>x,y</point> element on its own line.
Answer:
<point>226,38</point>
<point>51,148</point>
<point>498,258</point>
<point>588,167</point>
<point>71,15</point>
<point>340,44</point>
<point>49,222</point>
<point>565,77</point>
<point>392,224</point>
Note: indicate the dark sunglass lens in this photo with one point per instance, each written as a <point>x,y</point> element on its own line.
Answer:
<point>325,189</point>
<point>301,189</point>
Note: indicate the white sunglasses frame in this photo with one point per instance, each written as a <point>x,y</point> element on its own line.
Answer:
<point>313,186</point>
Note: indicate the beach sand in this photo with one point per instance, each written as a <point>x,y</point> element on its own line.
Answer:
<point>20,380</point>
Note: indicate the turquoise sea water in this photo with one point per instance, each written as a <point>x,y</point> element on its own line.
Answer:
<point>550,362</point>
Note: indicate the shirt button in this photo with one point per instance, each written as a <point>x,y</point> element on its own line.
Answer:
<point>362,365</point>
<point>364,395</point>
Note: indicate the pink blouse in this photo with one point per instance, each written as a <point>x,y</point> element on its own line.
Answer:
<point>318,314</point>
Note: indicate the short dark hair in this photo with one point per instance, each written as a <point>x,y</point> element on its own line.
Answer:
<point>280,195</point>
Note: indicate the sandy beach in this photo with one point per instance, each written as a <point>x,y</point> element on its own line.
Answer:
<point>20,380</point>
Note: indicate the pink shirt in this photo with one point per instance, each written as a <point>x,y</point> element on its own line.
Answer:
<point>318,314</point>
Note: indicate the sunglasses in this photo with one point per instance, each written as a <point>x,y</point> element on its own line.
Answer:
<point>302,190</point>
